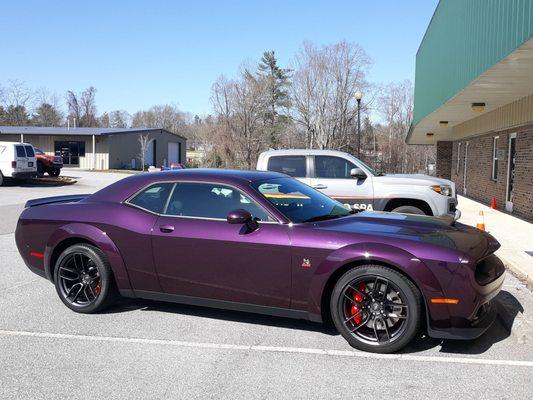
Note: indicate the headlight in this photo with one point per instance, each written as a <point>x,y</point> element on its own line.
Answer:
<point>442,189</point>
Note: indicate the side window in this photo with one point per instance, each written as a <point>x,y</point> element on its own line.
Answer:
<point>291,165</point>
<point>29,151</point>
<point>20,151</point>
<point>210,200</point>
<point>330,167</point>
<point>153,198</point>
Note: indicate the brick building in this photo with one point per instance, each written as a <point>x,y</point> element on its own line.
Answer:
<point>474,99</point>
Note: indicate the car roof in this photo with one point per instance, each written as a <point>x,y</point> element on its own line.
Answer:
<point>310,152</point>
<point>124,188</point>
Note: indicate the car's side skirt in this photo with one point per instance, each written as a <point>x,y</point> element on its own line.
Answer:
<point>222,304</point>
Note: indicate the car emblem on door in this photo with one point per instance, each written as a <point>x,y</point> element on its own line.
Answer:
<point>306,263</point>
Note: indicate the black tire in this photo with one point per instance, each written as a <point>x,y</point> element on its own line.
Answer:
<point>405,317</point>
<point>54,172</point>
<point>1,178</point>
<point>84,280</point>
<point>409,210</point>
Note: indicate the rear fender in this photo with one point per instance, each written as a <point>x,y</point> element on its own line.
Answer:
<point>93,235</point>
<point>368,253</point>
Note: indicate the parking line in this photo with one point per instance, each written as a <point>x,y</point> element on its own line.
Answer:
<point>271,349</point>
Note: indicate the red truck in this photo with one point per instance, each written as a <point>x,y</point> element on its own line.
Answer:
<point>46,163</point>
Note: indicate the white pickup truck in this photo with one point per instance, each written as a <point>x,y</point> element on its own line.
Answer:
<point>350,181</point>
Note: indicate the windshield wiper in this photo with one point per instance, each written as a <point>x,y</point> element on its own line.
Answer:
<point>323,217</point>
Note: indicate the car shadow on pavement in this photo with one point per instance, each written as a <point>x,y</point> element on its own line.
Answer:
<point>227,315</point>
<point>508,308</point>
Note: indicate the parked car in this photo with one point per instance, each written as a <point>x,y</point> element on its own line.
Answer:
<point>264,242</point>
<point>350,181</point>
<point>17,161</point>
<point>48,164</point>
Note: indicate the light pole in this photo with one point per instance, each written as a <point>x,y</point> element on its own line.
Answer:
<point>358,97</point>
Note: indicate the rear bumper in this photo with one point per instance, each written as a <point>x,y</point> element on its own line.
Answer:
<point>24,175</point>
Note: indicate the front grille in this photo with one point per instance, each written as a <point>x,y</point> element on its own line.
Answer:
<point>488,270</point>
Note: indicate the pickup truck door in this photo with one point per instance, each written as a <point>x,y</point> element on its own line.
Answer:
<point>331,175</point>
<point>298,166</point>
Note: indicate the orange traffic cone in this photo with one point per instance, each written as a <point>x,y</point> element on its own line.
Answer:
<point>493,204</point>
<point>480,221</point>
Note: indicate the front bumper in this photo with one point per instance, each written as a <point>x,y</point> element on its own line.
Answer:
<point>475,312</point>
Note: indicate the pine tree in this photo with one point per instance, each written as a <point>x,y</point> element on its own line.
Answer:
<point>278,81</point>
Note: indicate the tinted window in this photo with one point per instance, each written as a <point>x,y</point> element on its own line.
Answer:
<point>299,202</point>
<point>29,151</point>
<point>290,165</point>
<point>20,151</point>
<point>208,200</point>
<point>154,198</point>
<point>332,167</point>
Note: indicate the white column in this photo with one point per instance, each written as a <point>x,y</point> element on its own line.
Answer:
<point>21,138</point>
<point>94,152</point>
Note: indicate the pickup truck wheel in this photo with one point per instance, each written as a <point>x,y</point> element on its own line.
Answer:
<point>54,172</point>
<point>409,210</point>
<point>1,178</point>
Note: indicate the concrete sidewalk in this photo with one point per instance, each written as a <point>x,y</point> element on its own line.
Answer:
<point>515,236</point>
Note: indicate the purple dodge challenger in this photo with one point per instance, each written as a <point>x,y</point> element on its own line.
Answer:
<point>264,242</point>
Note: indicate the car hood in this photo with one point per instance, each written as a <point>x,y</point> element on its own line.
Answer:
<point>435,231</point>
<point>412,179</point>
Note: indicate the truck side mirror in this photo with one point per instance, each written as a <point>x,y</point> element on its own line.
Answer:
<point>357,173</point>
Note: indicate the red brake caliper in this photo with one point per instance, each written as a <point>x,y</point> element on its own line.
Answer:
<point>358,298</point>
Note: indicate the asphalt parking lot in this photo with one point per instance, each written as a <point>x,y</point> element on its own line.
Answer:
<point>144,349</point>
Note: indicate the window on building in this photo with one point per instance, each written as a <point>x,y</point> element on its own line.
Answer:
<point>495,158</point>
<point>458,161</point>
<point>290,165</point>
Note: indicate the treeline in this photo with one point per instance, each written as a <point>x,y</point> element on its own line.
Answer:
<point>311,104</point>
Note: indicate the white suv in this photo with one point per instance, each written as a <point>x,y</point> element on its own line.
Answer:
<point>17,161</point>
<point>350,181</point>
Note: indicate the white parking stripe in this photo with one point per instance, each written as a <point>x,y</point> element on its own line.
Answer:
<point>273,349</point>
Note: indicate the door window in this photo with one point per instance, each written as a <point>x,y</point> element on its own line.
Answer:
<point>29,151</point>
<point>291,165</point>
<point>153,198</point>
<point>206,200</point>
<point>329,167</point>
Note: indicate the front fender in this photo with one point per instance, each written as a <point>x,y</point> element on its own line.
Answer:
<point>367,253</point>
<point>93,235</point>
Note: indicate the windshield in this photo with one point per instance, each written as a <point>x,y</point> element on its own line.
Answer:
<point>299,202</point>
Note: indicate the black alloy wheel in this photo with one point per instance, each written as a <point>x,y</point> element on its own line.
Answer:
<point>376,308</point>
<point>83,279</point>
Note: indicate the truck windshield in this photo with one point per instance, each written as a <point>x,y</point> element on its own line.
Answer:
<point>299,202</point>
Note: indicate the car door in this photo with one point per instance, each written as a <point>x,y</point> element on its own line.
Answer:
<point>332,177</point>
<point>198,253</point>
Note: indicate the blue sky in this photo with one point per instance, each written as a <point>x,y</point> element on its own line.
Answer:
<point>138,54</point>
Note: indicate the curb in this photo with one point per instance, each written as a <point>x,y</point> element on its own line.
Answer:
<point>518,272</point>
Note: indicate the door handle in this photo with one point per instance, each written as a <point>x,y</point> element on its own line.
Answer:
<point>166,228</point>
<point>320,186</point>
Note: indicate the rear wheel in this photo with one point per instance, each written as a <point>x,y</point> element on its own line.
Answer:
<point>1,178</point>
<point>83,279</point>
<point>376,309</point>
<point>409,210</point>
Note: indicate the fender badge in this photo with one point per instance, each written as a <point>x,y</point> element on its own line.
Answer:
<point>306,263</point>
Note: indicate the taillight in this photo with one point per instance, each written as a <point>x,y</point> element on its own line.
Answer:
<point>13,164</point>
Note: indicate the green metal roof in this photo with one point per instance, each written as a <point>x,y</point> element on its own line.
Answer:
<point>463,40</point>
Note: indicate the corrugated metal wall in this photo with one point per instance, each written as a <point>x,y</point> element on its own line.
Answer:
<point>464,39</point>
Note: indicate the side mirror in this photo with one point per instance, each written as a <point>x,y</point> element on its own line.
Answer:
<point>357,173</point>
<point>241,216</point>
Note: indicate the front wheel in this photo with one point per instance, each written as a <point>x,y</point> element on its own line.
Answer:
<point>54,172</point>
<point>409,210</point>
<point>376,308</point>
<point>83,279</point>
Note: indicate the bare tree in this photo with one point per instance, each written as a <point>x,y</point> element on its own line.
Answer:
<point>323,92</point>
<point>82,107</point>
<point>165,116</point>
<point>144,141</point>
